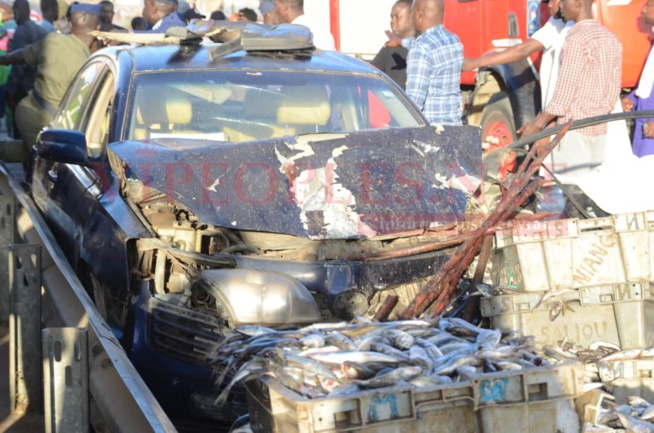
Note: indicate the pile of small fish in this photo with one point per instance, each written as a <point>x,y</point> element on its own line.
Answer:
<point>636,416</point>
<point>598,358</point>
<point>341,359</point>
<point>602,366</point>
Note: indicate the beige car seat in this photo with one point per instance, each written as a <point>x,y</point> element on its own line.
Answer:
<point>305,109</point>
<point>260,118</point>
<point>301,109</point>
<point>163,114</point>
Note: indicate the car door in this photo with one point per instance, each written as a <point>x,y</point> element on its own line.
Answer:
<point>57,187</point>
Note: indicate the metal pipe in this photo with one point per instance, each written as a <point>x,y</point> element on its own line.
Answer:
<point>577,124</point>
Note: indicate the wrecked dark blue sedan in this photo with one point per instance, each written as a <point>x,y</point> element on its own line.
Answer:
<point>195,189</point>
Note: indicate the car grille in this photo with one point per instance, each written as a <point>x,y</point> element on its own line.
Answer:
<point>182,333</point>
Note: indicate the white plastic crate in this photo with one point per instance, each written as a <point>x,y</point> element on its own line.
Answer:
<point>537,400</point>
<point>621,314</point>
<point>574,253</point>
<point>633,377</point>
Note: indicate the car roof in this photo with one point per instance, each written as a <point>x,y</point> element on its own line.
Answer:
<point>153,58</point>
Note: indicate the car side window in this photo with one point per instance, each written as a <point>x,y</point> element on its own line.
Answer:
<point>76,99</point>
<point>96,121</point>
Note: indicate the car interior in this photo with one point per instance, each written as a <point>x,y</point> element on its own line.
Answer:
<point>239,112</point>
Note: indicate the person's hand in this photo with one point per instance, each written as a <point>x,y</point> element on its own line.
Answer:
<point>528,129</point>
<point>627,103</point>
<point>469,65</point>
<point>648,129</point>
<point>63,26</point>
<point>393,39</point>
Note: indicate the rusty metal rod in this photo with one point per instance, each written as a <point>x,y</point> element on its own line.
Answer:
<point>389,303</point>
<point>472,249</point>
<point>441,286</point>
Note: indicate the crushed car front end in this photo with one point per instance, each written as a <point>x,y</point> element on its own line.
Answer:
<point>283,232</point>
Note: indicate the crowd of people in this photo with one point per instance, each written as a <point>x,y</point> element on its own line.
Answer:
<point>422,56</point>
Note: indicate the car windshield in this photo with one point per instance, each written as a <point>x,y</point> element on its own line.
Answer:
<point>249,105</point>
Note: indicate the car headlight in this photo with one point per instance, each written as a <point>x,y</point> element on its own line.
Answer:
<point>247,296</point>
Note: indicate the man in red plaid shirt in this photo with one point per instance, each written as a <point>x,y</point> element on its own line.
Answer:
<point>588,85</point>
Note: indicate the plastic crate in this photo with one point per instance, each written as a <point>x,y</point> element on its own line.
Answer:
<point>574,253</point>
<point>538,400</point>
<point>630,378</point>
<point>621,314</point>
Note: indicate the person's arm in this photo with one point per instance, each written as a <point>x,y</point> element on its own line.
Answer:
<point>13,58</point>
<point>6,11</point>
<point>417,73</point>
<point>510,55</point>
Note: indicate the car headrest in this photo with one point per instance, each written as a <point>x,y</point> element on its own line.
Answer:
<point>305,105</point>
<point>165,108</point>
<point>258,105</point>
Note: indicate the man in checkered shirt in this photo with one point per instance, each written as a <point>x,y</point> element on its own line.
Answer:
<point>588,85</point>
<point>434,65</point>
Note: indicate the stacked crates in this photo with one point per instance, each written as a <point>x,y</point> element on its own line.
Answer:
<point>587,280</point>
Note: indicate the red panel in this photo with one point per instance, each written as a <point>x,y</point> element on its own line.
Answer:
<point>463,18</point>
<point>626,23</point>
<point>334,23</point>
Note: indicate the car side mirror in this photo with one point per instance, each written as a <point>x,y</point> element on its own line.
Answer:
<point>62,145</point>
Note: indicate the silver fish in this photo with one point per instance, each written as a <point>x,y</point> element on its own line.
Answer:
<point>508,366</point>
<point>456,363</point>
<point>390,350</point>
<point>366,343</point>
<point>360,357</point>
<point>339,340</point>
<point>648,413</point>
<point>355,370</point>
<point>629,354</point>
<point>557,353</point>
<point>433,380</point>
<point>325,327</point>
<point>453,347</point>
<point>313,341</point>
<point>489,338</point>
<point>391,378</point>
<point>325,349</point>
<point>432,350</point>
<point>444,338</point>
<point>252,367</point>
<point>634,424</point>
<point>345,389</point>
<point>466,372</point>
<point>400,339</point>
<point>419,356</point>
<point>496,354</point>
<point>309,365</point>
<point>636,401</point>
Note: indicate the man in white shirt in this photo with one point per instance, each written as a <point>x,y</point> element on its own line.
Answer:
<point>548,39</point>
<point>292,12</point>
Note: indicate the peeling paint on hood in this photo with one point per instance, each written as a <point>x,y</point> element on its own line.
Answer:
<point>354,185</point>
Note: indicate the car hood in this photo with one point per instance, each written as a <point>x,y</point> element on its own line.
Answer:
<point>322,186</point>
